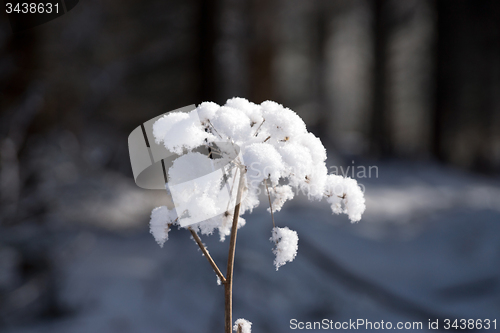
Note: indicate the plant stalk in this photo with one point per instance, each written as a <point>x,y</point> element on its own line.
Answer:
<point>270,204</point>
<point>207,255</point>
<point>228,286</point>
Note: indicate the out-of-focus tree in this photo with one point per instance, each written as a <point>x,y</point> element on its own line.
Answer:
<point>467,102</point>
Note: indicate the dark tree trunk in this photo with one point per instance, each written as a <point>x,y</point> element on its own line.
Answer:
<point>380,123</point>
<point>207,38</point>
<point>443,72</point>
<point>262,50</point>
<point>467,83</point>
<point>321,128</point>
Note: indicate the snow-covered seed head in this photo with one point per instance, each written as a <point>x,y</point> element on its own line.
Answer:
<point>274,146</point>
<point>345,196</point>
<point>242,326</point>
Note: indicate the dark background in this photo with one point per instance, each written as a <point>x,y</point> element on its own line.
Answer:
<point>411,86</point>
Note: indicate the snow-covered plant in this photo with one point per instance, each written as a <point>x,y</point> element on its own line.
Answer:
<point>242,326</point>
<point>226,155</point>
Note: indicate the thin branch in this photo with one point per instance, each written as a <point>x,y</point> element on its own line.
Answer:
<point>207,255</point>
<point>270,205</point>
<point>228,287</point>
<point>238,163</point>
<point>214,128</point>
<point>258,128</point>
<point>267,138</point>
<point>212,148</point>
<point>169,225</point>
<point>231,192</point>
<point>212,151</point>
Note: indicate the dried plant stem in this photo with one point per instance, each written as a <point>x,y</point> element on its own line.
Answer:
<point>258,128</point>
<point>214,128</point>
<point>207,255</point>
<point>270,204</point>
<point>231,193</point>
<point>228,286</point>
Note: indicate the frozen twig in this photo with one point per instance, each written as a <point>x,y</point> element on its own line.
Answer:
<point>207,255</point>
<point>214,128</point>
<point>258,128</point>
<point>270,204</point>
<point>228,286</point>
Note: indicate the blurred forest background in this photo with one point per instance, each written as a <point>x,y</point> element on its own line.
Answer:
<point>415,82</point>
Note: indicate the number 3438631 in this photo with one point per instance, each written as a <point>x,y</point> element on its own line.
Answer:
<point>476,324</point>
<point>32,8</point>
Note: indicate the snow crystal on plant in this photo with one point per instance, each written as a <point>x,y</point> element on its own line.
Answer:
<point>158,225</point>
<point>252,110</point>
<point>263,161</point>
<point>281,123</point>
<point>233,122</point>
<point>199,195</point>
<point>166,123</point>
<point>340,190</point>
<point>206,227</point>
<point>287,244</point>
<point>315,181</point>
<point>280,195</point>
<point>242,326</point>
<point>188,167</point>
<point>180,130</point>
<point>206,111</point>
<point>227,223</point>
<point>297,160</point>
<point>316,148</point>
<point>250,198</point>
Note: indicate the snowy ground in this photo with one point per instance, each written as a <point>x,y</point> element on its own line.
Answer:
<point>427,248</point>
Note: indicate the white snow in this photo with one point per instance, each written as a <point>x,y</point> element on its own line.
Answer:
<point>263,161</point>
<point>188,167</point>
<point>282,124</point>
<point>280,195</point>
<point>206,111</point>
<point>180,131</point>
<point>234,123</point>
<point>286,245</point>
<point>345,191</point>
<point>242,326</point>
<point>160,218</point>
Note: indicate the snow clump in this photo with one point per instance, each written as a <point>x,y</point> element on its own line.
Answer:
<point>287,244</point>
<point>242,326</point>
